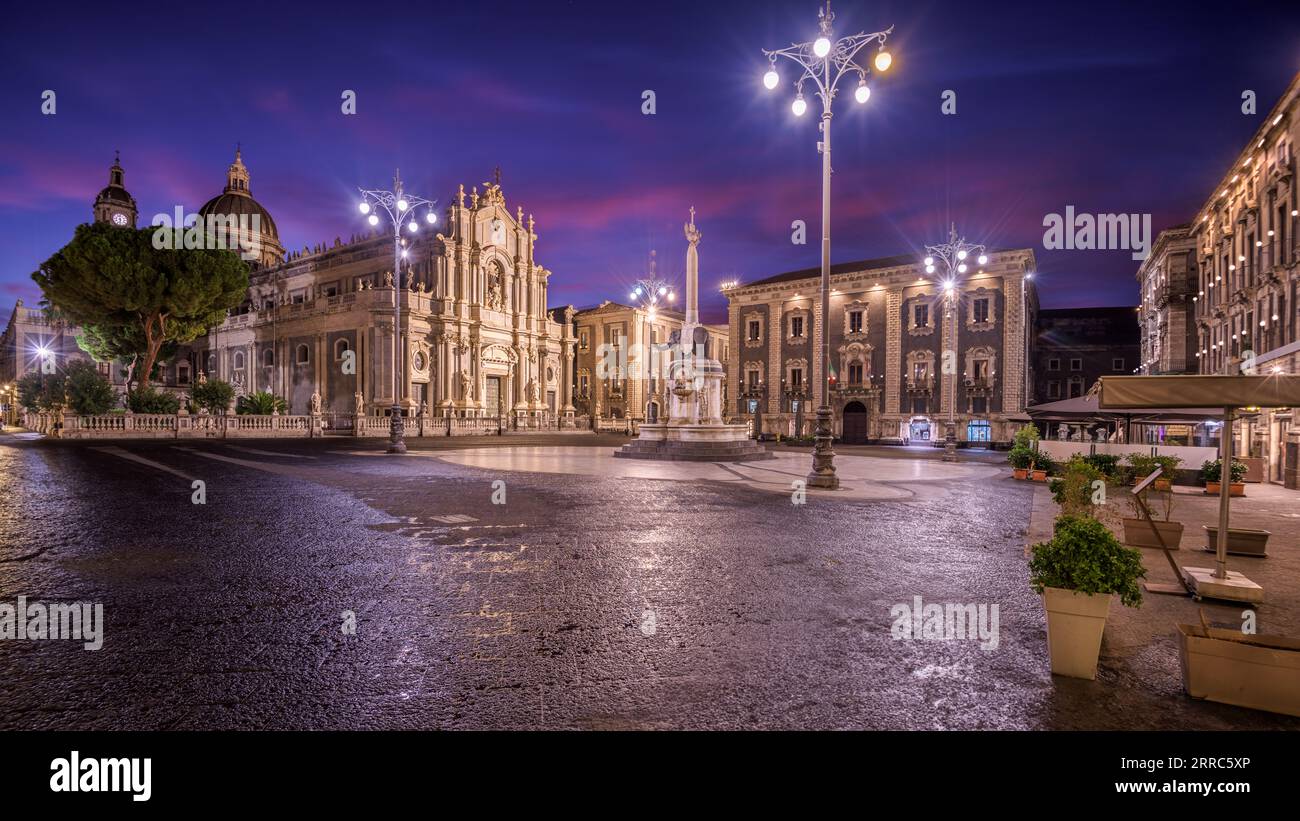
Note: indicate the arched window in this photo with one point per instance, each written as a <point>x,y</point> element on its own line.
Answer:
<point>239,360</point>
<point>268,357</point>
<point>303,355</point>
<point>341,347</point>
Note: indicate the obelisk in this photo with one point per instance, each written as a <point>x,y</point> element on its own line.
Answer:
<point>692,281</point>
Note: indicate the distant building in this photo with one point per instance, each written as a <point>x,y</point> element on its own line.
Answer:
<point>1077,346</point>
<point>888,380</point>
<point>32,338</point>
<point>626,337</point>
<point>1168,282</point>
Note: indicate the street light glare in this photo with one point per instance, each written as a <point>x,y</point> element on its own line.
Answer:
<point>373,219</point>
<point>984,259</point>
<point>632,295</point>
<point>365,208</point>
<point>431,218</point>
<point>771,79</point>
<point>862,93</point>
<point>799,106</point>
<point>929,269</point>
<point>822,47</point>
<point>961,269</point>
<point>401,205</point>
<point>929,261</point>
<point>961,254</point>
<point>884,60</point>
<point>413,226</point>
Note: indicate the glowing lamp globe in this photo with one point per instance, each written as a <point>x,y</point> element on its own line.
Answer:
<point>431,218</point>
<point>884,60</point>
<point>961,269</point>
<point>984,259</point>
<point>401,205</point>
<point>373,220</point>
<point>821,46</point>
<point>862,93</point>
<point>799,106</point>
<point>770,79</point>
<point>413,226</point>
<point>365,208</point>
<point>929,260</point>
<point>961,255</point>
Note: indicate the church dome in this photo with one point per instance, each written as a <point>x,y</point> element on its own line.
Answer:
<point>115,193</point>
<point>236,200</point>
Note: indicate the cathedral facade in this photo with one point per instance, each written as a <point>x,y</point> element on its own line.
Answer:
<point>474,335</point>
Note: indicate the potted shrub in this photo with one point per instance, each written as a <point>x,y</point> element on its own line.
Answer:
<point>1138,531</point>
<point>1107,464</point>
<point>1042,465</point>
<point>1212,472</point>
<point>1020,459</point>
<point>1140,466</point>
<point>1168,468</point>
<point>1076,573</point>
<point>1074,490</point>
<point>1024,447</point>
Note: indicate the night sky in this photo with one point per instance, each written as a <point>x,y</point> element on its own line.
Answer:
<point>1109,107</point>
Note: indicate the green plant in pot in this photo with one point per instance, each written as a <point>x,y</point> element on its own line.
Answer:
<point>1076,572</point>
<point>1043,466</point>
<point>1161,530</point>
<point>1020,459</point>
<point>1212,473</point>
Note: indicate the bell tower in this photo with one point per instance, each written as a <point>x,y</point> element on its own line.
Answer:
<point>115,205</point>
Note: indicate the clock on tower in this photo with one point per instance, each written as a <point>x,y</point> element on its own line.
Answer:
<point>115,204</point>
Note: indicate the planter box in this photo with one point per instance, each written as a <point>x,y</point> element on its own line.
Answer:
<point>1236,489</point>
<point>1260,672</point>
<point>1075,622</point>
<point>1020,473</point>
<point>1039,476</point>
<point>1137,533</point>
<point>1241,541</point>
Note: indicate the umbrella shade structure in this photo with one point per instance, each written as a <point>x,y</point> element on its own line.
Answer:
<point>1230,393</point>
<point>1088,409</point>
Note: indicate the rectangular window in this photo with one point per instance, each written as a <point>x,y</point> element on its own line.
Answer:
<point>796,378</point>
<point>582,340</point>
<point>855,373</point>
<point>980,309</point>
<point>1053,364</point>
<point>582,383</point>
<point>981,369</point>
<point>855,322</point>
<point>1076,364</point>
<point>751,380</point>
<point>920,316</point>
<point>796,326</point>
<point>1117,364</point>
<point>755,328</point>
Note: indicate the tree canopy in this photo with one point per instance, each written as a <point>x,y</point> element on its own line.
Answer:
<point>131,298</point>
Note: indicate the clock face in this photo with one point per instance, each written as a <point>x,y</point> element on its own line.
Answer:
<point>119,219</point>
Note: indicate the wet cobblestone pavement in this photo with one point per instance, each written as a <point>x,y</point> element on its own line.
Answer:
<point>579,603</point>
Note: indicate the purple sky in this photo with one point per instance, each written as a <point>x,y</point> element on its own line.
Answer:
<point>1109,107</point>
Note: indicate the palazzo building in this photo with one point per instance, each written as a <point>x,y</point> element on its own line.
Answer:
<point>1244,266</point>
<point>888,381</point>
<point>1077,346</point>
<point>475,335</point>
<point>1168,282</point>
<point>626,337</point>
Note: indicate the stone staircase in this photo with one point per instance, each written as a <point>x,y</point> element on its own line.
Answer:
<point>737,451</point>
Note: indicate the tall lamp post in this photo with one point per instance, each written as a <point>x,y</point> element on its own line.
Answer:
<point>953,256</point>
<point>650,295</point>
<point>400,207</point>
<point>823,63</point>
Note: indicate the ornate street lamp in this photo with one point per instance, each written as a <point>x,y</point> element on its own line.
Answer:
<point>823,63</point>
<point>401,208</point>
<point>650,295</point>
<point>955,256</point>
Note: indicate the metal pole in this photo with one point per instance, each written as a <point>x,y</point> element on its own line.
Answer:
<point>396,427</point>
<point>823,468</point>
<point>1225,491</point>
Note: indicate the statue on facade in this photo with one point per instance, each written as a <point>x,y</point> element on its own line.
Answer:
<point>315,402</point>
<point>495,297</point>
<point>360,402</point>
<point>532,391</point>
<point>466,386</point>
<point>388,279</point>
<point>410,280</point>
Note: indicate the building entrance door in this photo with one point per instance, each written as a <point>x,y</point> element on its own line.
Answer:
<point>493,399</point>
<point>855,424</point>
<point>920,429</point>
